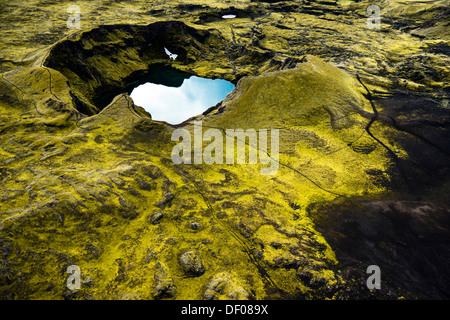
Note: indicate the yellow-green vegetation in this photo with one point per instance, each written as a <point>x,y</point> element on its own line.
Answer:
<point>96,188</point>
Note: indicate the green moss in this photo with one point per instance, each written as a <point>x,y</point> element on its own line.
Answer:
<point>79,183</point>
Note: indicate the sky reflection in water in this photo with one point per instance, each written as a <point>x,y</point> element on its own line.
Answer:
<point>177,104</point>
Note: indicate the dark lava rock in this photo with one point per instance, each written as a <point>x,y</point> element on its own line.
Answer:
<point>191,263</point>
<point>165,287</point>
<point>168,197</point>
<point>195,226</point>
<point>408,240</point>
<point>155,217</point>
<point>276,245</point>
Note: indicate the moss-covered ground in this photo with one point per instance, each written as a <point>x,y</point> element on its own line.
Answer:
<point>363,149</point>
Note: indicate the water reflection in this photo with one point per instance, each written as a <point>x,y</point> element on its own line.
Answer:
<point>176,104</point>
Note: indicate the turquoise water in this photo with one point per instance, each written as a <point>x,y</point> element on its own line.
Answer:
<point>177,102</point>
